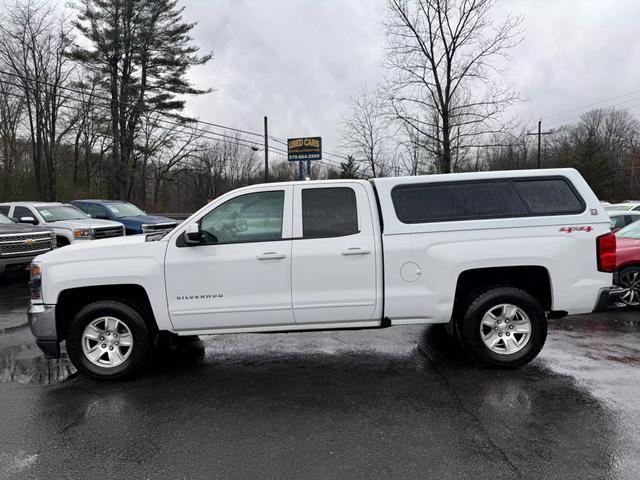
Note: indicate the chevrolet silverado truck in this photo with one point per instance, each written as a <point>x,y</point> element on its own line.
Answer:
<point>491,255</point>
<point>20,244</point>
<point>69,223</point>
<point>135,221</point>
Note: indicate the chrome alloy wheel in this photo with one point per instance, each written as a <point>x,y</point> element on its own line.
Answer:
<point>107,342</point>
<point>505,329</point>
<point>630,282</point>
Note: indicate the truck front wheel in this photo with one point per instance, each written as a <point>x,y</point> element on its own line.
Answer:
<point>503,327</point>
<point>109,340</point>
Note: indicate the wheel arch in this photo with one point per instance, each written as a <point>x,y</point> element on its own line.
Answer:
<point>71,300</point>
<point>631,263</point>
<point>533,279</point>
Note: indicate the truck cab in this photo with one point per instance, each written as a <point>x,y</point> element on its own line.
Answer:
<point>490,255</point>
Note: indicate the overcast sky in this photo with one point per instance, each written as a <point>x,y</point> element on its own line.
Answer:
<point>299,61</point>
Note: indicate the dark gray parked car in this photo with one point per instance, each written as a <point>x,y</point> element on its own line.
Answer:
<point>20,243</point>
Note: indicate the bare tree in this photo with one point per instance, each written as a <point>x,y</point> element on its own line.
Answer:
<point>366,133</point>
<point>34,42</point>
<point>442,56</point>
<point>91,131</point>
<point>603,146</point>
<point>11,113</point>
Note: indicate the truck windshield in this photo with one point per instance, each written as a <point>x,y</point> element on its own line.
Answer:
<point>630,231</point>
<point>4,219</point>
<point>61,212</point>
<point>120,210</point>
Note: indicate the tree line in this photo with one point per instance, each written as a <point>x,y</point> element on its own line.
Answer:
<point>91,106</point>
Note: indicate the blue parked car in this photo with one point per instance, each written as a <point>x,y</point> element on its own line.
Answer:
<point>134,220</point>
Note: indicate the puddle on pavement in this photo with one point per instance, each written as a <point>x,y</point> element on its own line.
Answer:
<point>27,365</point>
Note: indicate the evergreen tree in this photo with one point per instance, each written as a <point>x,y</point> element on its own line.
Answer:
<point>142,50</point>
<point>349,169</point>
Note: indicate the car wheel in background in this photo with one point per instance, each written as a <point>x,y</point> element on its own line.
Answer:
<point>62,241</point>
<point>629,280</point>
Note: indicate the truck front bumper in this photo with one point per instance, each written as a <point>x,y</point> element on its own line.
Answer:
<point>15,263</point>
<point>42,322</point>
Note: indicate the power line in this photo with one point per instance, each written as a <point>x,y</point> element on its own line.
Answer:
<point>235,141</point>
<point>128,104</point>
<point>182,120</point>
<point>575,117</point>
<point>592,104</point>
<point>203,133</point>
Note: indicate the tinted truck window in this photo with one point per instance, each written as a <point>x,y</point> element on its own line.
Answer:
<point>552,196</point>
<point>456,201</point>
<point>329,212</point>
<point>485,199</point>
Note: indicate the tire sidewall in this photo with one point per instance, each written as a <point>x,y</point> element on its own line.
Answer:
<point>123,312</point>
<point>626,270</point>
<point>470,328</point>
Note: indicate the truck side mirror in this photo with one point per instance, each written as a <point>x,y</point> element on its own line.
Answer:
<point>30,220</point>
<point>192,235</point>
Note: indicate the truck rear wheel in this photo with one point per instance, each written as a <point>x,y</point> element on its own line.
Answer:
<point>109,340</point>
<point>503,327</point>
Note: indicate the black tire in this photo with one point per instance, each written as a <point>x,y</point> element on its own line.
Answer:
<point>61,241</point>
<point>628,279</point>
<point>470,324</point>
<point>140,332</point>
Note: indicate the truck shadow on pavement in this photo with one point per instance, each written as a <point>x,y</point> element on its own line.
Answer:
<point>286,406</point>
<point>366,412</point>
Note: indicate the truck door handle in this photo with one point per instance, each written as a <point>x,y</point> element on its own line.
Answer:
<point>270,256</point>
<point>356,251</point>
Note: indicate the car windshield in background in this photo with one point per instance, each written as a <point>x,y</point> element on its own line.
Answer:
<point>61,212</point>
<point>120,210</point>
<point>630,231</point>
<point>4,219</point>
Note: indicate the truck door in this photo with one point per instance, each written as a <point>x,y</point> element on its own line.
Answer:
<point>333,254</point>
<point>240,274</point>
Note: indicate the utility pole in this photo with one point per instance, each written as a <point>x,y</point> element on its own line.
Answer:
<point>539,133</point>
<point>266,150</point>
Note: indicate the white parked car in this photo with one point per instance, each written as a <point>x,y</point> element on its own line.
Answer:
<point>68,222</point>
<point>622,218</point>
<point>492,255</point>
<point>625,206</point>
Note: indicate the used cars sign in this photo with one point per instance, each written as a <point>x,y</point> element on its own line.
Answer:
<point>306,148</point>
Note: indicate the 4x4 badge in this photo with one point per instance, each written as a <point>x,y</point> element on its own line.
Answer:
<point>587,228</point>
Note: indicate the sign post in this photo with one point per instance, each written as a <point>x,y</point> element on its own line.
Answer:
<point>304,149</point>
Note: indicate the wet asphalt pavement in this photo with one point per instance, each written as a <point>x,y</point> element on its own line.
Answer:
<point>399,403</point>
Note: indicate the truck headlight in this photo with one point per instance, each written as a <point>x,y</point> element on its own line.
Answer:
<point>82,234</point>
<point>36,281</point>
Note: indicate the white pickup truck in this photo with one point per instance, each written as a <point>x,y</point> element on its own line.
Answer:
<point>492,255</point>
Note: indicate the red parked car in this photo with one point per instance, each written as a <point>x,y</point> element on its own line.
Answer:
<point>628,263</point>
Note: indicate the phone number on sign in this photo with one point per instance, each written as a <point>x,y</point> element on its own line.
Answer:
<point>303,156</point>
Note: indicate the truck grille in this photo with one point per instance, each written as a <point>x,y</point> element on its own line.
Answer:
<point>25,244</point>
<point>159,227</point>
<point>107,232</point>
